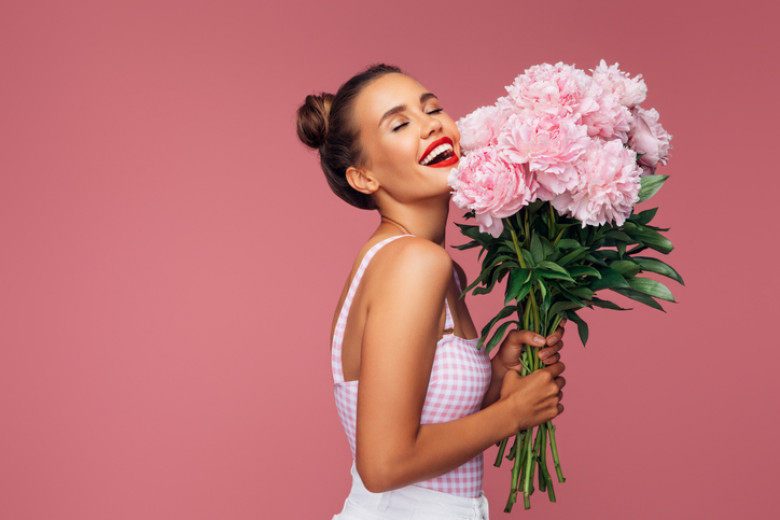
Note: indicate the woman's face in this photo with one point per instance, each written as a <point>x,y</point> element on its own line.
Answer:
<point>409,143</point>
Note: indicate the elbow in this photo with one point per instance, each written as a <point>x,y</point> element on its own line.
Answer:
<point>377,477</point>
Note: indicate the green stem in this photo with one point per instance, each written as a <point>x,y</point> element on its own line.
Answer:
<point>551,231</point>
<point>543,466</point>
<point>516,243</point>
<point>554,449</point>
<point>528,471</point>
<point>538,452</point>
<point>515,473</point>
<point>501,448</point>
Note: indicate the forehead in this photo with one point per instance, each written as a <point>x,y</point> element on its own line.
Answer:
<point>384,93</point>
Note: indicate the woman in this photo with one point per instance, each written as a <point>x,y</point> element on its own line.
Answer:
<point>429,403</point>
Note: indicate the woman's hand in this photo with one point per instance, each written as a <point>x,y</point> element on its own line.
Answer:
<point>535,397</point>
<point>508,356</point>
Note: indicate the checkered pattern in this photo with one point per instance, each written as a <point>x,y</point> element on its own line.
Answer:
<point>459,379</point>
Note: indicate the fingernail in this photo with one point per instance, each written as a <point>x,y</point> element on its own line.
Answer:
<point>539,340</point>
<point>544,354</point>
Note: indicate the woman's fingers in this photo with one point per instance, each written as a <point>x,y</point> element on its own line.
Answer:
<point>549,354</point>
<point>526,337</point>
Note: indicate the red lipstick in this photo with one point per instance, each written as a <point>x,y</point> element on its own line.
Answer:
<point>433,146</point>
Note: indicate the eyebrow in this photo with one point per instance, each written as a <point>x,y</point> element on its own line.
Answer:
<point>400,108</point>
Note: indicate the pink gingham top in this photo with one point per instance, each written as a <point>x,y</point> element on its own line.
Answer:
<point>459,379</point>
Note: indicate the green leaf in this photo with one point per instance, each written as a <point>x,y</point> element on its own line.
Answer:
<point>467,245</point>
<point>580,291</point>
<point>506,311</point>
<point>581,270</point>
<point>618,235</point>
<point>479,279</point>
<point>594,259</point>
<point>650,184</point>
<point>606,304</point>
<point>640,297</point>
<point>627,268</point>
<point>526,254</point>
<point>582,327</point>
<point>547,247</point>
<point>572,255</point>
<point>552,275</point>
<point>657,266</point>
<point>497,336</point>
<point>568,243</point>
<point>607,254</point>
<point>542,288</point>
<point>652,288</point>
<point>548,269</point>
<point>559,307</point>
<point>552,266</point>
<point>649,237</point>
<point>537,252</point>
<point>609,279</point>
<point>571,296</point>
<point>645,216</point>
<point>518,279</point>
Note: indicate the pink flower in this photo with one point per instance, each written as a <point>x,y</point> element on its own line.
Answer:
<point>549,144</point>
<point>607,187</point>
<point>480,128</point>
<point>648,137</point>
<point>612,120</point>
<point>557,89</point>
<point>629,92</point>
<point>485,182</point>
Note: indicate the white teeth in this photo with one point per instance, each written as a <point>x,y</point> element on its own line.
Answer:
<point>436,151</point>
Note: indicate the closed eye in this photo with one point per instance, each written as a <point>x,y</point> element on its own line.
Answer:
<point>436,111</point>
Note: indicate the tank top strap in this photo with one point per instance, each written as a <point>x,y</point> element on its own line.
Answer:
<point>341,323</point>
<point>449,323</point>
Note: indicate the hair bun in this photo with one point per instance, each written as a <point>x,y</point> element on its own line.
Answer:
<point>313,119</point>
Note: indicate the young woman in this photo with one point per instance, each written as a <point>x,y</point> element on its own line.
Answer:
<point>418,401</point>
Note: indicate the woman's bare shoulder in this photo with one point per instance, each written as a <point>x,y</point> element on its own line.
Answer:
<point>413,256</point>
<point>410,262</point>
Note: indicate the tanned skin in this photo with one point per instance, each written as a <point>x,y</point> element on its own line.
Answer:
<point>397,315</point>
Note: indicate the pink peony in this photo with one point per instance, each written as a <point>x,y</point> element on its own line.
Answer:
<point>549,144</point>
<point>485,182</point>
<point>611,121</point>
<point>607,187</point>
<point>556,89</point>
<point>480,128</point>
<point>648,137</point>
<point>629,92</point>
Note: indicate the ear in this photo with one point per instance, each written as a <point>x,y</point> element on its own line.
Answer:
<point>362,180</point>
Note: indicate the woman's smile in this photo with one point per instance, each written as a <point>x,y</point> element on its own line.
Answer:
<point>439,153</point>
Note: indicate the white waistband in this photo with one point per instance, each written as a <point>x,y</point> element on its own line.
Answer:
<point>418,499</point>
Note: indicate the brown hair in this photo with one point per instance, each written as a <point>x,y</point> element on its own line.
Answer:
<point>325,122</point>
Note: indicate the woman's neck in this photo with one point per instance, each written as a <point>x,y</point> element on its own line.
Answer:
<point>426,220</point>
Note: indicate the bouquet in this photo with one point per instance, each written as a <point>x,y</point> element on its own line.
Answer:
<point>551,173</point>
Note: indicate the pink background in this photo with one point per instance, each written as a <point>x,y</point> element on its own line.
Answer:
<point>172,255</point>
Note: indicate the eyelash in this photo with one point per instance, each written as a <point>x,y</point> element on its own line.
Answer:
<point>404,124</point>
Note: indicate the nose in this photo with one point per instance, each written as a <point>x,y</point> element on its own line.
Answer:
<point>430,125</point>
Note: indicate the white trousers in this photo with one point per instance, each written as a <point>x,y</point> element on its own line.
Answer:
<point>409,503</point>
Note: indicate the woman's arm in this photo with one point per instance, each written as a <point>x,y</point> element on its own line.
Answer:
<point>407,288</point>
